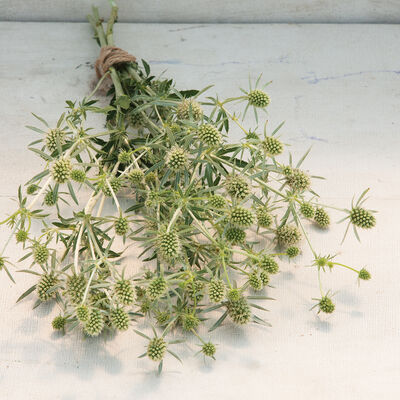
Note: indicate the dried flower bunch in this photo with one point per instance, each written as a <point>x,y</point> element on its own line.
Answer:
<point>215,219</point>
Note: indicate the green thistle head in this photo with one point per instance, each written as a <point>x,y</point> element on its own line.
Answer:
<point>177,159</point>
<point>362,218</point>
<point>216,201</point>
<point>255,281</point>
<point>288,235</point>
<point>292,251</point>
<point>235,235</point>
<point>272,146</point>
<point>121,226</point>
<point>298,180</point>
<point>119,319</point>
<point>237,186</point>
<point>195,290</point>
<point>169,245</point>
<point>239,311</point>
<point>136,176</point>
<point>258,98</point>
<point>241,217</point>
<point>364,275</point>
<point>40,254</point>
<point>51,139</point>
<point>59,322</point>
<point>136,120</point>
<point>189,322</point>
<point>264,218</point>
<point>61,170</point>
<point>208,349</point>
<point>50,199</point>
<point>76,285</point>
<point>162,317</point>
<point>95,324</point>
<point>156,349</point>
<point>326,305</point>
<point>189,108</point>
<point>234,295</point>
<point>264,276</point>
<point>287,170</point>
<point>78,175</point>
<point>157,287</point>
<point>322,218</point>
<point>307,210</point>
<point>21,236</point>
<point>268,264</point>
<point>82,313</point>
<point>216,290</point>
<point>124,292</point>
<point>31,189</point>
<point>209,135</point>
<point>124,157</point>
<point>45,287</point>
<point>116,185</point>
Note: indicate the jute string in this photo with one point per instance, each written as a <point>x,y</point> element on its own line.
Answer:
<point>109,56</point>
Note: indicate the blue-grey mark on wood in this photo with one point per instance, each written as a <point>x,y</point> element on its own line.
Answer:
<point>313,79</point>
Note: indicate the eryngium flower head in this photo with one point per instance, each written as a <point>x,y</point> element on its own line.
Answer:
<point>326,305</point>
<point>76,285</point>
<point>95,323</point>
<point>124,291</point>
<point>364,275</point>
<point>156,287</point>
<point>177,159</point>
<point>120,319</point>
<point>255,281</point>
<point>209,135</point>
<point>234,294</point>
<point>239,311</point>
<point>362,218</point>
<point>50,199</point>
<point>162,317</point>
<point>258,98</point>
<point>272,146</point>
<point>21,236</point>
<point>45,284</point>
<point>208,349</point>
<point>216,290</point>
<point>264,276</point>
<point>156,349</point>
<point>61,170</point>
<point>124,157</point>
<point>288,235</point>
<point>237,186</point>
<point>264,218</point>
<point>169,245</point>
<point>40,254</point>
<point>292,251</point>
<point>82,313</point>
<point>51,139</point>
<point>321,218</point>
<point>268,264</point>
<point>189,108</point>
<point>307,210</point>
<point>78,175</point>
<point>241,217</point>
<point>58,323</point>
<point>195,290</point>
<point>121,226</point>
<point>189,321</point>
<point>115,184</point>
<point>216,201</point>
<point>298,180</point>
<point>136,176</point>
<point>235,235</point>
<point>31,189</point>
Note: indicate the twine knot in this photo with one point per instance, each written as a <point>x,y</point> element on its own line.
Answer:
<point>109,56</point>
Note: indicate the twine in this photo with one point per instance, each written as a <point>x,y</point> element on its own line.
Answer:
<point>109,56</point>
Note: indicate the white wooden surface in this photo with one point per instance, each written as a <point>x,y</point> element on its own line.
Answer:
<point>338,88</point>
<point>208,11</point>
